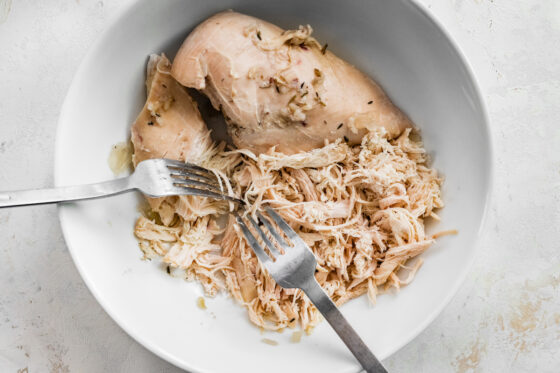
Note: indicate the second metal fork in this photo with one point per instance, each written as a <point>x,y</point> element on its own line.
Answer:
<point>293,266</point>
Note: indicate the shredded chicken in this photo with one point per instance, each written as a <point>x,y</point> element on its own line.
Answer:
<point>360,208</point>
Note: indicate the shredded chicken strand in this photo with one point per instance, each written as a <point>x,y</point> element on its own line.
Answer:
<point>360,208</point>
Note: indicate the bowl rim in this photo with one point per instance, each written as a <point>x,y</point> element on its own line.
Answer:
<point>488,197</point>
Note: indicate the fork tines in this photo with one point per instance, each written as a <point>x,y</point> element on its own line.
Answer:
<point>196,180</point>
<point>181,170</point>
<point>278,245</point>
<point>252,241</point>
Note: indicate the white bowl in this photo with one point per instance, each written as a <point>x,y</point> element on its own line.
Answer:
<point>398,44</point>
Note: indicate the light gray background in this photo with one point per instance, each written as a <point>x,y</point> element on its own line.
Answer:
<point>506,317</point>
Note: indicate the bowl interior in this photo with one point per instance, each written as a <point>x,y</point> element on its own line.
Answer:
<point>393,41</point>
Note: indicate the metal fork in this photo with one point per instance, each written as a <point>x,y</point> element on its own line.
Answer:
<point>293,266</point>
<point>153,177</point>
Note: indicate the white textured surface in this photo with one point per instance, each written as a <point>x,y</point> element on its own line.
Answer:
<point>506,317</point>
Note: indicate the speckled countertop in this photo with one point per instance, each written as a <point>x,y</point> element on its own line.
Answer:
<point>505,318</point>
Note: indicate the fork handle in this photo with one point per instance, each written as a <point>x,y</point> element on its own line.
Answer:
<point>332,314</point>
<point>62,194</point>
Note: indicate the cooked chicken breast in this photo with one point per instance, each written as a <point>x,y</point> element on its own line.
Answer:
<point>281,88</point>
<point>169,126</point>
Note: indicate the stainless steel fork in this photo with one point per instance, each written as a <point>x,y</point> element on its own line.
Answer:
<point>293,266</point>
<point>153,177</point>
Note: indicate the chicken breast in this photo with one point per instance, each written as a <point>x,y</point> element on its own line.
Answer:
<point>169,126</point>
<point>281,88</point>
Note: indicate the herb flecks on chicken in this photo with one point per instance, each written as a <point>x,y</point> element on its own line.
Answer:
<point>280,87</point>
